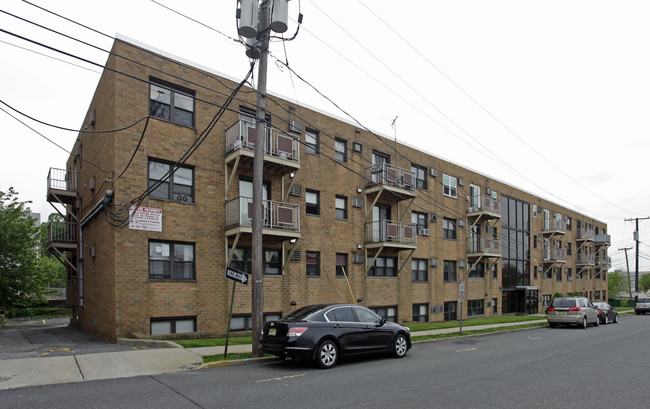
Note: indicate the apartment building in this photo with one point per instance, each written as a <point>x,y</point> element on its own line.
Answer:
<point>348,217</point>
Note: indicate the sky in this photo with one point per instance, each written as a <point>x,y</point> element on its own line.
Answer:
<point>549,96</point>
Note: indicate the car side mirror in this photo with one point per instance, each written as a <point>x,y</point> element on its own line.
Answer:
<point>382,321</point>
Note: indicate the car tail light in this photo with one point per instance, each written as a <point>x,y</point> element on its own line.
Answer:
<point>600,310</point>
<point>574,309</point>
<point>550,309</point>
<point>296,332</point>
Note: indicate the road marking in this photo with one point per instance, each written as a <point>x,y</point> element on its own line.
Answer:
<point>534,337</point>
<point>281,379</point>
<point>467,350</point>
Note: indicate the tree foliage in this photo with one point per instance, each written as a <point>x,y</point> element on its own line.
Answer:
<point>616,283</point>
<point>21,282</point>
<point>644,283</point>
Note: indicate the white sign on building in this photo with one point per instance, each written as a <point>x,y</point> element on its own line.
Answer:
<point>146,218</point>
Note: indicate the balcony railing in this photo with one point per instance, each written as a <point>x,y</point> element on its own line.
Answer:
<point>61,179</point>
<point>483,244</point>
<point>554,225</point>
<point>62,232</point>
<point>483,203</point>
<point>603,239</point>
<point>585,259</point>
<point>603,261</point>
<point>387,174</point>
<point>552,255</point>
<point>277,215</point>
<point>242,134</point>
<point>382,231</point>
<point>585,234</point>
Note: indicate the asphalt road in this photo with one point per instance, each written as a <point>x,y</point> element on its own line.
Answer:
<point>600,367</point>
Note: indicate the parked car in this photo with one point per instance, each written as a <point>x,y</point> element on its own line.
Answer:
<point>323,333</point>
<point>642,306</point>
<point>572,311</point>
<point>606,313</point>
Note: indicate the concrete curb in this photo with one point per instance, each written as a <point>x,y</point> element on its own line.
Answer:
<point>476,335</point>
<point>148,342</point>
<point>236,362</point>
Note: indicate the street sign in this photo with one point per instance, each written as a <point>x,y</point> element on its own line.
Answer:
<point>461,291</point>
<point>236,275</point>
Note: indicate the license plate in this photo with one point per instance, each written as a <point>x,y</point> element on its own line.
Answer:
<point>272,331</point>
<point>561,312</point>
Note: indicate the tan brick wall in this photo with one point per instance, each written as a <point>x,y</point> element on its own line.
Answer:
<point>118,290</point>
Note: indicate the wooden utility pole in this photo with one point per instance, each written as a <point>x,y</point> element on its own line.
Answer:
<point>636,275</point>
<point>627,262</point>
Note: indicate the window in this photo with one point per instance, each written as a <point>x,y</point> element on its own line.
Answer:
<point>420,312</point>
<point>242,260</point>
<point>474,308</point>
<point>450,311</point>
<point>495,270</point>
<point>478,271</point>
<point>311,142</point>
<point>342,265</point>
<point>568,223</point>
<point>548,273</point>
<point>449,228</point>
<point>159,326</point>
<point>312,197</point>
<point>546,300</point>
<point>244,322</point>
<point>419,269</point>
<point>179,186</point>
<point>534,211</point>
<point>569,250</point>
<point>161,266</point>
<point>449,269</point>
<point>171,103</point>
<point>340,150</point>
<point>313,263</point>
<point>384,267</point>
<point>389,313</point>
<point>535,272</point>
<point>448,185</point>
<point>558,273</point>
<point>341,206</point>
<point>420,176</point>
<point>420,220</point>
<point>596,295</point>
<point>569,274</point>
<point>495,305</point>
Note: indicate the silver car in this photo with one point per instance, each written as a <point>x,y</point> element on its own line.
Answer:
<point>642,306</point>
<point>572,311</point>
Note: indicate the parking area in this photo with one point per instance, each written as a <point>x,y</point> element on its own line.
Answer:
<point>31,338</point>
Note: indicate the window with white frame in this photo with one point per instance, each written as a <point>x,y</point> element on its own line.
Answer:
<point>420,174</point>
<point>340,150</point>
<point>311,142</point>
<point>449,186</point>
<point>419,269</point>
<point>420,221</point>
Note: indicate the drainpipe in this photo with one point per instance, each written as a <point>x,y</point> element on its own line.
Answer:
<point>93,212</point>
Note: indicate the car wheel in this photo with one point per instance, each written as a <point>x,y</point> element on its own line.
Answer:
<point>606,319</point>
<point>400,346</point>
<point>616,321</point>
<point>597,323</point>
<point>584,323</point>
<point>327,354</point>
<point>552,324</point>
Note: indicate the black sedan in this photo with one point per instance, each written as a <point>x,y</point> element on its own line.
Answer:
<point>606,313</point>
<point>324,332</point>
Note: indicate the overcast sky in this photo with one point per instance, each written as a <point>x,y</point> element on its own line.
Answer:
<point>549,96</point>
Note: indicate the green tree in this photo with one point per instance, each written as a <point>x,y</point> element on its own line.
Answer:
<point>20,280</point>
<point>52,270</point>
<point>644,282</point>
<point>616,283</point>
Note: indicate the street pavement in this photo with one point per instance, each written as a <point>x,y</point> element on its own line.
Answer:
<point>28,359</point>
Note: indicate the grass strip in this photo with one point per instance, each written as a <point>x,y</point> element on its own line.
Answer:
<point>231,357</point>
<point>475,332</point>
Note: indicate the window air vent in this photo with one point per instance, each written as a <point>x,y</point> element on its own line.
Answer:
<point>488,191</point>
<point>461,222</point>
<point>441,308</point>
<point>296,255</point>
<point>461,264</point>
<point>358,258</point>
<point>296,190</point>
<point>357,202</point>
<point>433,172</point>
<point>295,126</point>
<point>433,217</point>
<point>356,146</point>
<point>434,262</point>
<point>461,182</point>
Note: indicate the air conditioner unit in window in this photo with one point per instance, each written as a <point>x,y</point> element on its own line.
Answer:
<point>461,264</point>
<point>488,191</point>
<point>183,198</point>
<point>295,126</point>
<point>296,190</point>
<point>357,202</point>
<point>434,262</point>
<point>358,258</point>
<point>423,232</point>
<point>433,218</point>
<point>461,222</point>
<point>433,172</point>
<point>461,182</point>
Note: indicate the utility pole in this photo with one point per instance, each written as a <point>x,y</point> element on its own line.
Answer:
<point>636,238</point>
<point>627,262</point>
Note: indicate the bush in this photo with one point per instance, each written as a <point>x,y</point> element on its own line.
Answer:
<point>31,311</point>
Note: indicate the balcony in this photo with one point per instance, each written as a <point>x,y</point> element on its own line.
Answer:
<point>554,227</point>
<point>483,246</point>
<point>585,259</point>
<point>603,240</point>
<point>62,235</point>
<point>280,219</point>
<point>61,186</point>
<point>603,261</point>
<point>483,207</point>
<point>388,233</point>
<point>400,182</point>
<point>281,151</point>
<point>554,256</point>
<point>585,235</point>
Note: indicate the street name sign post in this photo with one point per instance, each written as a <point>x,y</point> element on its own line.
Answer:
<point>237,277</point>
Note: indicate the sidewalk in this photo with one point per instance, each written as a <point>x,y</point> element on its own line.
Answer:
<point>16,373</point>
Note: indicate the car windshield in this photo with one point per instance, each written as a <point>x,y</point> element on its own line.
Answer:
<point>302,314</point>
<point>601,305</point>
<point>563,303</point>
<point>644,300</point>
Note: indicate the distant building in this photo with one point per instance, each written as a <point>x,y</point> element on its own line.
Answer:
<point>404,226</point>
